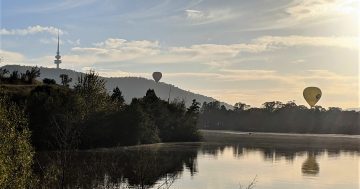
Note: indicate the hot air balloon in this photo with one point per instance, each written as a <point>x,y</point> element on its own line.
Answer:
<point>312,95</point>
<point>157,76</point>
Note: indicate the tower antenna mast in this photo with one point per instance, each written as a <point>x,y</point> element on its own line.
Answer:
<point>57,60</point>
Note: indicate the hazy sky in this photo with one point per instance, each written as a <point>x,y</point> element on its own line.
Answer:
<point>234,50</point>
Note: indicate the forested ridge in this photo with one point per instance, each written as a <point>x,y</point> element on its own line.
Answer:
<point>279,117</point>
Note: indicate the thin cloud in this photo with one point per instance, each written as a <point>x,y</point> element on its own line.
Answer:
<point>52,40</point>
<point>114,43</point>
<point>9,57</point>
<point>194,14</point>
<point>303,13</point>
<point>214,55</point>
<point>31,30</point>
<point>73,42</point>
<point>316,41</point>
<point>209,16</point>
<point>311,9</point>
<point>306,14</point>
<point>114,49</point>
<point>266,43</point>
<point>56,6</point>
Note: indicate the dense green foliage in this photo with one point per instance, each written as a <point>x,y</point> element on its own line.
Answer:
<point>49,81</point>
<point>65,79</point>
<point>145,120</point>
<point>279,117</point>
<point>16,152</point>
<point>87,116</point>
<point>55,114</point>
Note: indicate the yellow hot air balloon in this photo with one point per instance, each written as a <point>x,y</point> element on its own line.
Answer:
<point>157,76</point>
<point>312,95</point>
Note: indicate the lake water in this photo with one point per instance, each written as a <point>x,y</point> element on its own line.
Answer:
<point>225,160</point>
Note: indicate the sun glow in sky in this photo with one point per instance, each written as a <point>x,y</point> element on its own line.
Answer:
<point>235,51</point>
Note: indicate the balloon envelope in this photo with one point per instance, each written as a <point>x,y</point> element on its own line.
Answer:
<point>312,95</point>
<point>157,76</point>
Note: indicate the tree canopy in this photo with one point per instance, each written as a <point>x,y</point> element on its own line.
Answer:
<point>281,117</point>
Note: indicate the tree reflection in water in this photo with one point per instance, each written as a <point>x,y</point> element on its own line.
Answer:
<point>159,165</point>
<point>135,167</point>
<point>310,167</point>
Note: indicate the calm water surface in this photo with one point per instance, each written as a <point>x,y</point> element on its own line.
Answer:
<point>225,160</point>
<point>232,166</point>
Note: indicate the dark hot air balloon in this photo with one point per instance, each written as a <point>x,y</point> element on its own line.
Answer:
<point>157,76</point>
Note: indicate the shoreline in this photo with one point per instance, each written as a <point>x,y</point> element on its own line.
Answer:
<point>290,140</point>
<point>259,139</point>
<point>282,141</point>
<point>232,132</point>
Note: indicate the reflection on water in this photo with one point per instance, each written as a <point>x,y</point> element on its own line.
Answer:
<point>211,164</point>
<point>140,167</point>
<point>310,166</point>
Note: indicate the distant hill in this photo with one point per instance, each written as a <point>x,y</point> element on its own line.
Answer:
<point>131,87</point>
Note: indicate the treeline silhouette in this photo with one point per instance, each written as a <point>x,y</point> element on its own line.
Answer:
<point>87,116</point>
<point>19,78</point>
<point>279,117</point>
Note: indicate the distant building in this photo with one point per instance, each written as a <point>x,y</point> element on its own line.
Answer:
<point>57,60</point>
